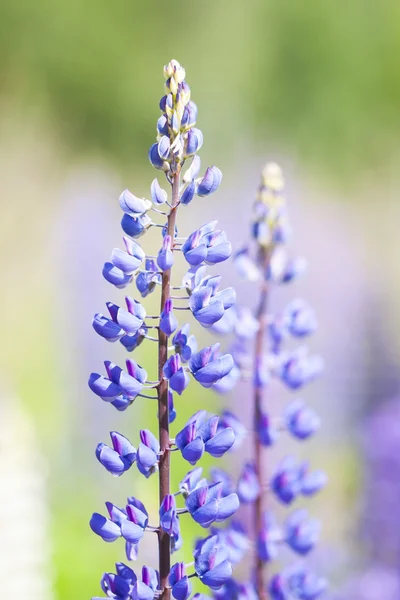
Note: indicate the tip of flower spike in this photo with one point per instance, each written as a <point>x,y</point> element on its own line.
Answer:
<point>272,176</point>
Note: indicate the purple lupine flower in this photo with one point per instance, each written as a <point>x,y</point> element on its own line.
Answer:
<point>301,319</point>
<point>298,368</point>
<point>130,259</point>
<point>122,321</point>
<point>210,182</point>
<point>287,480</point>
<point>185,344</point>
<point>177,140</point>
<point>267,432</point>
<point>235,539</point>
<point>191,480</point>
<point>169,520</point>
<point>133,527</point>
<point>207,505</point>
<point>207,244</point>
<point>130,342</point>
<point>158,195</point>
<point>304,584</point>
<point>300,420</point>
<point>165,258</point>
<point>168,321</point>
<point>109,529</point>
<point>118,459</point>
<point>201,435</point>
<point>248,487</point>
<point>211,563</point>
<point>228,382</point>
<point>208,368</point>
<point>269,538</point>
<point>118,383</point>
<point>147,453</point>
<point>219,475</point>
<point>176,374</point>
<point>171,407</point>
<point>245,265</point>
<point>147,280</point>
<point>228,419</point>
<point>301,533</point>
<point>135,226</point>
<point>313,482</point>
<point>116,276</point>
<point>115,586</point>
<point>179,581</point>
<point>145,588</point>
<point>133,206</point>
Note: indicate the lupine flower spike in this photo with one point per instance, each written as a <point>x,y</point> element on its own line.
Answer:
<point>259,349</point>
<point>174,154</point>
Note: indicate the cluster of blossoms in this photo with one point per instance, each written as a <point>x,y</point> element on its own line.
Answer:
<point>259,350</point>
<point>207,502</point>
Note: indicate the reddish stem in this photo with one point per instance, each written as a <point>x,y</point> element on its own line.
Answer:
<point>164,542</point>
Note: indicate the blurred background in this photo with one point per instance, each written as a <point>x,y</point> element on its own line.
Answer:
<point>312,85</point>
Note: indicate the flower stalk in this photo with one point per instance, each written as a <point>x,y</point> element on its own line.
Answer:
<point>164,543</point>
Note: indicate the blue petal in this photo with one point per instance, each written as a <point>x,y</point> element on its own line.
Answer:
<point>215,370</point>
<point>205,515</point>
<point>188,193</point>
<point>210,314</point>
<point>111,460</point>
<point>210,181</point>
<point>155,158</point>
<point>103,387</point>
<point>220,443</point>
<point>115,276</point>
<point>179,381</point>
<point>218,575</point>
<point>124,261</point>
<point>227,507</point>
<point>131,532</point>
<point>105,528</point>
<point>219,253</point>
<point>105,327</point>
<point>132,205</point>
<point>193,451</point>
<point>196,256</point>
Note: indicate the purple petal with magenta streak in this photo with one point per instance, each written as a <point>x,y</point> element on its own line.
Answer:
<point>165,257</point>
<point>208,428</point>
<point>186,435</point>
<point>200,298</point>
<point>135,308</point>
<point>179,381</point>
<point>200,359</point>
<point>206,515</point>
<point>122,445</point>
<point>150,440</point>
<point>109,330</point>
<point>128,322</point>
<point>114,275</point>
<point>141,591</point>
<point>220,443</point>
<point>105,528</point>
<point>168,321</point>
<point>146,457</point>
<point>103,387</point>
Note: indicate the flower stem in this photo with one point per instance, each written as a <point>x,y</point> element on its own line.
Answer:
<point>260,570</point>
<point>164,544</point>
